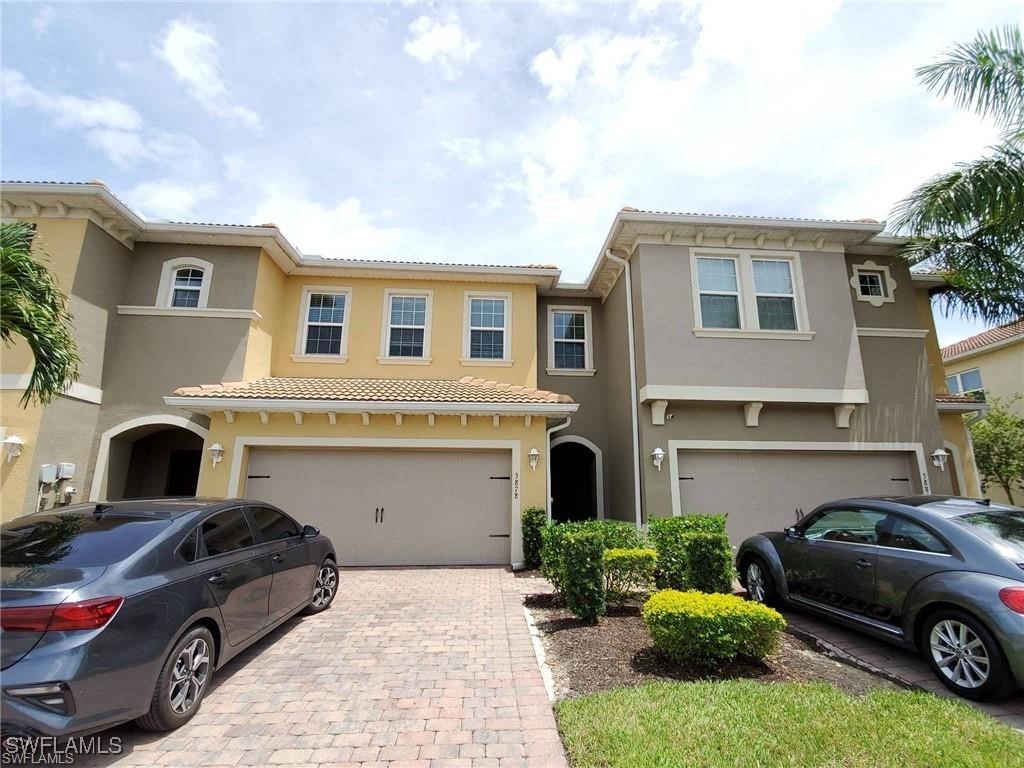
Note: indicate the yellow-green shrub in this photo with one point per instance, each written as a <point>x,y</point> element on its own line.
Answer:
<point>627,572</point>
<point>709,630</point>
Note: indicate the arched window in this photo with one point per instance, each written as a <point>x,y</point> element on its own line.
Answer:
<point>185,283</point>
<point>188,284</point>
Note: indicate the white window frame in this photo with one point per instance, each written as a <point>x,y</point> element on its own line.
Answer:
<point>749,321</point>
<point>960,382</point>
<point>165,293</point>
<point>588,343</point>
<point>385,327</point>
<point>303,324</point>
<point>888,283</point>
<point>506,358</point>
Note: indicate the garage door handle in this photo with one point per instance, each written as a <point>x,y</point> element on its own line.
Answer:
<point>217,578</point>
<point>376,514</point>
<point>862,564</point>
<point>382,514</point>
<point>497,536</point>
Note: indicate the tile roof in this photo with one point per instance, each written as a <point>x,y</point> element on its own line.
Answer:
<point>631,209</point>
<point>358,262</point>
<point>965,399</point>
<point>465,390</point>
<point>984,339</point>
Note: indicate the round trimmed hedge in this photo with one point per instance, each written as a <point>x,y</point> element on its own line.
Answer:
<point>711,629</point>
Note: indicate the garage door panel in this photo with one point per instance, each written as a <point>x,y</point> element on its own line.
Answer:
<point>388,507</point>
<point>767,490</point>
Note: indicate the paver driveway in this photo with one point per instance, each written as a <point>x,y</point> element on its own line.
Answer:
<point>417,667</point>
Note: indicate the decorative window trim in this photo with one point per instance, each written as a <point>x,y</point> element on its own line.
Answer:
<point>165,293</point>
<point>303,324</point>
<point>385,326</point>
<point>588,342</point>
<point>960,384</point>
<point>748,316</point>
<point>506,358</point>
<point>871,267</point>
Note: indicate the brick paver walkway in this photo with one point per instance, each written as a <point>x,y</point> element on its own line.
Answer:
<point>904,665</point>
<point>410,668</point>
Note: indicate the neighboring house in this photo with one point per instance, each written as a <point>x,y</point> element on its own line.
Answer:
<point>989,364</point>
<point>709,363</point>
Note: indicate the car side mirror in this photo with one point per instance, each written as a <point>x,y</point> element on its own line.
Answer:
<point>794,533</point>
<point>309,531</point>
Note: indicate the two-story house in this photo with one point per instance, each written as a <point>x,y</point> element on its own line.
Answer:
<point>717,364</point>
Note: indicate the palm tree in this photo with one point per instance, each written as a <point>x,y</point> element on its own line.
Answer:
<point>968,223</point>
<point>33,307</point>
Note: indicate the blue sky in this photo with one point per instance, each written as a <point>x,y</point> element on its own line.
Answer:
<point>491,133</point>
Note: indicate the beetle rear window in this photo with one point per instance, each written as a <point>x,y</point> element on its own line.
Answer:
<point>1005,528</point>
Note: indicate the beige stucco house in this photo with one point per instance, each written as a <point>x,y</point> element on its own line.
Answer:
<point>751,366</point>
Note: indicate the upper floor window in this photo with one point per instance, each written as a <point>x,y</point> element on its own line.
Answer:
<point>964,382</point>
<point>406,332</point>
<point>873,283</point>
<point>570,340</point>
<point>755,292</point>
<point>324,330</point>
<point>487,328</point>
<point>185,283</point>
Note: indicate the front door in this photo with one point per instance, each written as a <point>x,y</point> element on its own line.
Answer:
<point>833,562</point>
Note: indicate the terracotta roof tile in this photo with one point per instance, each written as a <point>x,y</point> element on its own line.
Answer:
<point>465,390</point>
<point>984,339</point>
<point>966,399</point>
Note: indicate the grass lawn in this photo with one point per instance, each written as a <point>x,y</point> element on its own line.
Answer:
<point>748,724</point>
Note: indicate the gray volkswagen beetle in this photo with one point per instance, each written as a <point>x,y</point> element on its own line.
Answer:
<point>940,575</point>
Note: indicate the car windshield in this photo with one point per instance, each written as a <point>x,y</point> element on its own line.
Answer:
<point>1005,529</point>
<point>74,540</point>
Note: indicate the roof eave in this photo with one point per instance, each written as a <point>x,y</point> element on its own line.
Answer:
<point>979,406</point>
<point>281,405</point>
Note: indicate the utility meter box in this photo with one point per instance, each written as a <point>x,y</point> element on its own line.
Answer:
<point>65,470</point>
<point>48,474</point>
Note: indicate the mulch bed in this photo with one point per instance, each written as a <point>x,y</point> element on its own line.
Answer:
<point>617,651</point>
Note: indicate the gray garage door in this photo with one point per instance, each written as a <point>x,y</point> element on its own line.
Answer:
<point>392,507</point>
<point>761,490</point>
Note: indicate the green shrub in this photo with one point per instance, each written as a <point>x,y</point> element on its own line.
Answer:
<point>551,554</point>
<point>710,630</point>
<point>627,572</point>
<point>533,520</point>
<point>667,535</point>
<point>709,565</point>
<point>583,574</point>
<point>613,534</point>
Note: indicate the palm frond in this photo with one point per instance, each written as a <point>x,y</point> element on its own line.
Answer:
<point>985,75</point>
<point>33,308</point>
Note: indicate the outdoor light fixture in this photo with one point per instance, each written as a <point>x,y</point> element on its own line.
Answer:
<point>939,457</point>
<point>12,447</point>
<point>534,458</point>
<point>659,456</point>
<point>216,453</point>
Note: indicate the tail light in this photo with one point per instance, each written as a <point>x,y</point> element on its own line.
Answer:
<point>65,617</point>
<point>1013,598</point>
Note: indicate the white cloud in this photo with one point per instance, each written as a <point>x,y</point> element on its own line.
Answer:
<point>465,149</point>
<point>169,199</point>
<point>70,111</point>
<point>194,55</point>
<point>445,43</point>
<point>42,19</point>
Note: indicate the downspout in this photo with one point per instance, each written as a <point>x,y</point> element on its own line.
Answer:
<point>547,462</point>
<point>632,383</point>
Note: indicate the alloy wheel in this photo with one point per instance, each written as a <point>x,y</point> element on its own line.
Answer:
<point>189,676</point>
<point>959,654</point>
<point>755,582</point>
<point>323,588</point>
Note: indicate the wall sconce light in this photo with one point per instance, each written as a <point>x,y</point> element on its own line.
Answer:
<point>659,456</point>
<point>12,447</point>
<point>216,453</point>
<point>939,458</point>
<point>534,455</point>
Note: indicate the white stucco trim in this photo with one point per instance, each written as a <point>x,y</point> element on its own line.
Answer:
<point>750,394</point>
<point>222,314</point>
<point>898,333</point>
<point>165,292</point>
<point>886,278</point>
<point>674,446</point>
<point>244,442</point>
<point>588,340</point>
<point>100,470</point>
<point>77,390</point>
<point>598,463</point>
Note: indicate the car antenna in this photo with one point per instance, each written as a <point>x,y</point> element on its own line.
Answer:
<point>102,509</point>
<point>986,502</point>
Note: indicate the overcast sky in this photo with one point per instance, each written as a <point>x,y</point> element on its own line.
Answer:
<point>497,133</point>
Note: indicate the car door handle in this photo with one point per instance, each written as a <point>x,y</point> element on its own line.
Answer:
<point>277,558</point>
<point>862,564</point>
<point>217,578</point>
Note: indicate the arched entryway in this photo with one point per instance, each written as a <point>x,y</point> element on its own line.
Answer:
<point>149,456</point>
<point>577,483</point>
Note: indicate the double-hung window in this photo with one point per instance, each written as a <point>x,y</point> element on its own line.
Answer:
<point>325,326</point>
<point>570,340</point>
<point>487,328</point>
<point>965,382</point>
<point>188,284</point>
<point>407,325</point>
<point>184,283</point>
<point>748,293</point>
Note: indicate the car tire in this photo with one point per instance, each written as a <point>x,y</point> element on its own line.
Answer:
<point>757,578</point>
<point>965,656</point>
<point>325,587</point>
<point>183,682</point>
